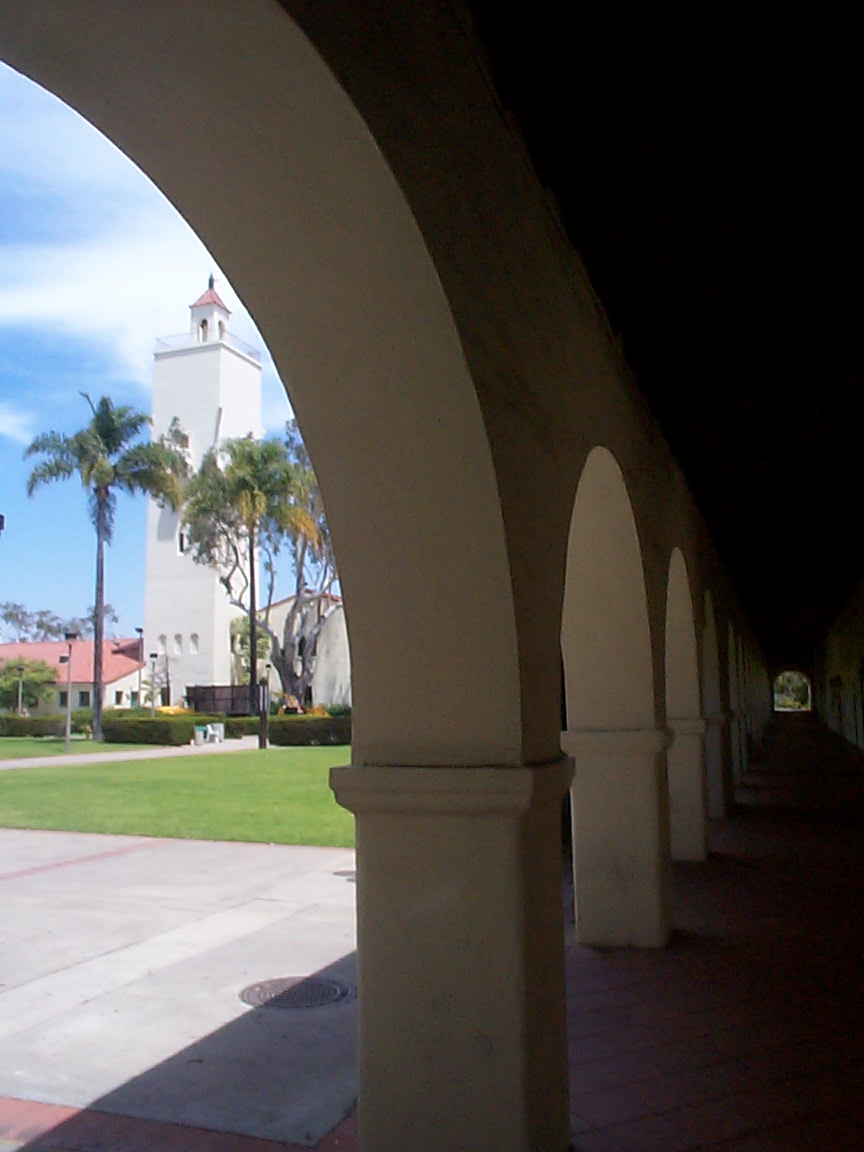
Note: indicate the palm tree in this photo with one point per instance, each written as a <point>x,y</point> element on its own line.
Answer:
<point>108,456</point>
<point>230,511</point>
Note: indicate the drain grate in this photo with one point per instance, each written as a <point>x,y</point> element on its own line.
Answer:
<point>296,992</point>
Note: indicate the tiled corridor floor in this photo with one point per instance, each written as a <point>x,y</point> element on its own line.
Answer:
<point>747,1033</point>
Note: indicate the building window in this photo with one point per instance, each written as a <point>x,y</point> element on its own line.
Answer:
<point>163,642</point>
<point>221,329</point>
<point>83,699</point>
<point>64,699</point>
<point>118,699</point>
<point>133,699</point>
<point>204,330</point>
<point>178,645</point>
<point>181,541</point>
<point>193,643</point>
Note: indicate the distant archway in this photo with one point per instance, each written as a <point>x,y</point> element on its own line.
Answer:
<point>686,765</point>
<point>793,692</point>
<point>619,800</point>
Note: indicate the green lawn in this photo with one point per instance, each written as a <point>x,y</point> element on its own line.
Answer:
<point>280,796</point>
<point>16,747</point>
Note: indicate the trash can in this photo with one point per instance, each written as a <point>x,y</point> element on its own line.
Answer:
<point>200,734</point>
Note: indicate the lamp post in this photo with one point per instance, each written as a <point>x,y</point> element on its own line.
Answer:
<point>20,689</point>
<point>140,632</point>
<point>264,707</point>
<point>69,637</point>
<point>154,656</point>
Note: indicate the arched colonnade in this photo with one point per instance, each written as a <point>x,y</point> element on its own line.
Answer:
<point>498,498</point>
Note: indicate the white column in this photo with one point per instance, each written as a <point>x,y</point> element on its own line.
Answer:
<point>688,798</point>
<point>620,807</point>
<point>716,759</point>
<point>461,957</point>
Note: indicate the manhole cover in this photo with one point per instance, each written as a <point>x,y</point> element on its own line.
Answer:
<point>295,992</point>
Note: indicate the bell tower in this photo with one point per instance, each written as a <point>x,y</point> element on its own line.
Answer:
<point>211,382</point>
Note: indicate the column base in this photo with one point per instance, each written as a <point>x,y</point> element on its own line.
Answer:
<point>620,808</point>
<point>461,957</point>
<point>688,802</point>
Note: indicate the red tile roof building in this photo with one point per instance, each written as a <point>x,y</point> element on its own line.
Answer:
<point>120,668</point>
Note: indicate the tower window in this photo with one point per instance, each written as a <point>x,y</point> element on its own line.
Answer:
<point>178,645</point>
<point>181,541</point>
<point>205,327</point>
<point>193,643</point>
<point>221,329</point>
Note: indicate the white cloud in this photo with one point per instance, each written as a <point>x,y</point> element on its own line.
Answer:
<point>15,424</point>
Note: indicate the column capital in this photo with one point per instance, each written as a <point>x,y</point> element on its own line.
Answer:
<point>505,790</point>
<point>620,742</point>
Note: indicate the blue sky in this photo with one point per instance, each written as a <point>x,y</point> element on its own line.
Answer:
<point>94,265</point>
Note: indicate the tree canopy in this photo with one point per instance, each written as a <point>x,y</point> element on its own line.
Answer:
<point>252,497</point>
<point>47,625</point>
<point>34,677</point>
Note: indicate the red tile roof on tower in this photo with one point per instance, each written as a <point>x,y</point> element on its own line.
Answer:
<point>119,657</point>
<point>211,296</point>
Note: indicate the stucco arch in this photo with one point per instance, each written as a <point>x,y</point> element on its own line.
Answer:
<point>605,633</point>
<point>712,711</point>
<point>686,762</point>
<point>319,242</point>
<point>619,801</point>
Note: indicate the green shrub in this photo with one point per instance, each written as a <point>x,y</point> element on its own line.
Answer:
<point>11,725</point>
<point>339,710</point>
<point>82,720</point>
<point>144,730</point>
<point>295,730</point>
<point>237,726</point>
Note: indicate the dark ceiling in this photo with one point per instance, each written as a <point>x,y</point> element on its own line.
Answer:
<point>706,164</point>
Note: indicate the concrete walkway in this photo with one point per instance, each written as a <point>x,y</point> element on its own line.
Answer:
<point>157,752</point>
<point>122,960</point>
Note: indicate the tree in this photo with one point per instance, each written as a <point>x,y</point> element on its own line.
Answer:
<point>245,497</point>
<point>46,625</point>
<point>294,653</point>
<point>23,683</point>
<point>109,457</point>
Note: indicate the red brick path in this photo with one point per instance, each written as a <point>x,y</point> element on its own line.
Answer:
<point>53,1128</point>
<point>747,1033</point>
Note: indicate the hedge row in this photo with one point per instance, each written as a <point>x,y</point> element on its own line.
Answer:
<point>296,730</point>
<point>175,730</point>
<point>11,725</point>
